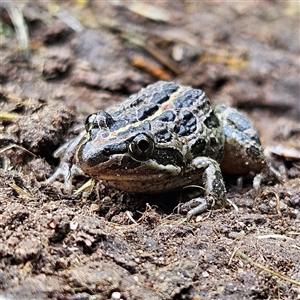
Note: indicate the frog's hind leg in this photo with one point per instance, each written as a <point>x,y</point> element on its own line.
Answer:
<point>243,152</point>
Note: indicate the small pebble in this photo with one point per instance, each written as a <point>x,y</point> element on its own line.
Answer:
<point>205,274</point>
<point>116,296</point>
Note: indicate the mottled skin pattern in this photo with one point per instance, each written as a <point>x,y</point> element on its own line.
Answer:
<point>242,153</point>
<point>164,138</point>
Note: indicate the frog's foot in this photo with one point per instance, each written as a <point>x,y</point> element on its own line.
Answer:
<point>67,172</point>
<point>269,173</point>
<point>193,207</point>
<point>198,206</point>
<point>215,192</point>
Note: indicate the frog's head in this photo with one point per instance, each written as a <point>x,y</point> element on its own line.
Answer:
<point>119,150</point>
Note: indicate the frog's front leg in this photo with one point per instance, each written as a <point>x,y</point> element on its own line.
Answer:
<point>68,168</point>
<point>212,179</point>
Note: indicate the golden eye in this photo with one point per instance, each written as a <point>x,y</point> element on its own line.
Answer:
<point>141,146</point>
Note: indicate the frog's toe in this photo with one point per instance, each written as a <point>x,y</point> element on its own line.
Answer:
<point>62,172</point>
<point>66,172</point>
<point>193,207</point>
<point>257,182</point>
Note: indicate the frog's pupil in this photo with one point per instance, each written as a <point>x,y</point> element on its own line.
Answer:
<point>143,145</point>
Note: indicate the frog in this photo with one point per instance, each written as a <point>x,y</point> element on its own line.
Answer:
<point>165,138</point>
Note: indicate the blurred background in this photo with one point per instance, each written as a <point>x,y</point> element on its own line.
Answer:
<point>85,53</point>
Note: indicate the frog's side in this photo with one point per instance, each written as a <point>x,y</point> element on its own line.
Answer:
<point>164,138</point>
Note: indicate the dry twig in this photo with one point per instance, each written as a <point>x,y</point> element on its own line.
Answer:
<point>274,273</point>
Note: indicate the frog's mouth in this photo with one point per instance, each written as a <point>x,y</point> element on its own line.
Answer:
<point>124,167</point>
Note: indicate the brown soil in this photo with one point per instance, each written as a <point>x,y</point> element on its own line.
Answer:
<point>109,245</point>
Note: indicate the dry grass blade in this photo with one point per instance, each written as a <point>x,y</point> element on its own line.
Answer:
<point>8,116</point>
<point>19,25</point>
<point>150,11</point>
<point>2,150</point>
<point>274,236</point>
<point>22,193</point>
<point>274,273</point>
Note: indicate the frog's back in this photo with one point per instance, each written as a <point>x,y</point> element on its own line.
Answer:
<point>178,117</point>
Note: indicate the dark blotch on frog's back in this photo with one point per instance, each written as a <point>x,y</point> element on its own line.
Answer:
<point>188,98</point>
<point>163,136</point>
<point>145,126</point>
<point>137,108</point>
<point>146,111</point>
<point>157,93</point>
<point>188,124</point>
<point>118,124</point>
<point>167,89</point>
<point>139,99</point>
<point>207,148</point>
<point>167,116</point>
<point>212,121</point>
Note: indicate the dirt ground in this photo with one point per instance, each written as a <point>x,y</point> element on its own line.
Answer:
<point>105,244</point>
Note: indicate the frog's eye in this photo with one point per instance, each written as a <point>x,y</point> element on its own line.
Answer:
<point>101,119</point>
<point>141,146</point>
